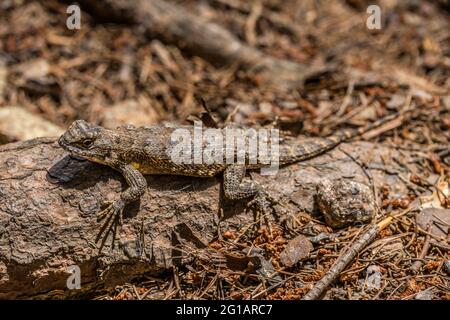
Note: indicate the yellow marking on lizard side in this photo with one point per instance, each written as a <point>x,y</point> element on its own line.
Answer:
<point>136,165</point>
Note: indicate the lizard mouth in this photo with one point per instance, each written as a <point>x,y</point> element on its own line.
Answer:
<point>86,154</point>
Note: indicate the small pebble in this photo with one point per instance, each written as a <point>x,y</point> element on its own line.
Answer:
<point>447,267</point>
<point>296,250</point>
<point>426,294</point>
<point>344,202</point>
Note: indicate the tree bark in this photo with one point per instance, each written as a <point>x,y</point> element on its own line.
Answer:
<point>48,202</point>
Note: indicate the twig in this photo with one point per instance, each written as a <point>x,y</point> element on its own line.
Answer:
<point>426,246</point>
<point>136,293</point>
<point>209,286</point>
<point>345,259</point>
<point>255,295</point>
<point>250,24</point>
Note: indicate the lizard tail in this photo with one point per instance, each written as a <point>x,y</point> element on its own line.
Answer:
<point>305,150</point>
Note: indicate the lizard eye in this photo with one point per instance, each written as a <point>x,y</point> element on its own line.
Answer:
<point>87,143</point>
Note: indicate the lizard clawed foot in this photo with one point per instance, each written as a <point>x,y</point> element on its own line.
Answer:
<point>112,209</point>
<point>113,213</point>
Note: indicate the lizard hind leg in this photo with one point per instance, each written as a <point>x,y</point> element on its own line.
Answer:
<point>237,187</point>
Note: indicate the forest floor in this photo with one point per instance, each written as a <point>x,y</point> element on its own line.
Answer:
<point>112,74</point>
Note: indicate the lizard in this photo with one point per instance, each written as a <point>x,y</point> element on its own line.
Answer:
<point>136,152</point>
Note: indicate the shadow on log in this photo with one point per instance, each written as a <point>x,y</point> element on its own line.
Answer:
<point>48,203</point>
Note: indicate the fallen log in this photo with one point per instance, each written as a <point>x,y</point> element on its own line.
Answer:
<point>175,25</point>
<point>48,202</point>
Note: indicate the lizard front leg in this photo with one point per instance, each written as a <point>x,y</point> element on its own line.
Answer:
<point>137,185</point>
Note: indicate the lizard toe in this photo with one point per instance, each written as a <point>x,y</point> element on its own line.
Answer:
<point>112,210</point>
<point>102,214</point>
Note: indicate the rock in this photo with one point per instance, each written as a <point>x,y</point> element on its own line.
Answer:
<point>421,94</point>
<point>435,218</point>
<point>264,267</point>
<point>426,294</point>
<point>373,281</point>
<point>367,114</point>
<point>35,70</point>
<point>137,113</point>
<point>396,101</point>
<point>447,267</point>
<point>344,202</point>
<point>17,124</point>
<point>296,250</point>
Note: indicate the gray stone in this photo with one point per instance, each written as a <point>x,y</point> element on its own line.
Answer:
<point>344,202</point>
<point>426,294</point>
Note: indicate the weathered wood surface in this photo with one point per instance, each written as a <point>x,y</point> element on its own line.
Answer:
<point>48,203</point>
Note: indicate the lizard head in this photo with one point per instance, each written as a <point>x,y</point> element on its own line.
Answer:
<point>87,141</point>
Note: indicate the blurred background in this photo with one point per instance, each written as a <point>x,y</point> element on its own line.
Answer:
<point>116,69</point>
